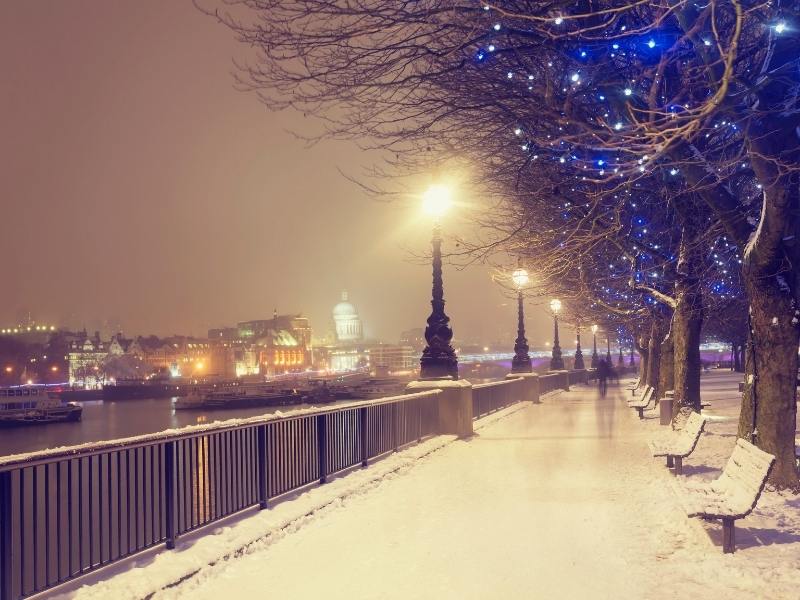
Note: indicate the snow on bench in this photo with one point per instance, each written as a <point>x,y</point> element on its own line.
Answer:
<point>643,401</point>
<point>634,386</point>
<point>679,444</point>
<point>734,494</point>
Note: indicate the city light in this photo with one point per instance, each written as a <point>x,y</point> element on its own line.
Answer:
<point>555,305</point>
<point>594,329</point>
<point>437,200</point>
<point>520,277</point>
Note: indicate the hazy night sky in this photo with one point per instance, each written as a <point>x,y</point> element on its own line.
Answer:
<point>139,186</point>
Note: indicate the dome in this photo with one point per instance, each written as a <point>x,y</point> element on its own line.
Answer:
<point>344,308</point>
<point>348,325</point>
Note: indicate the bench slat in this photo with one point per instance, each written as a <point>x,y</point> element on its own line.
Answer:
<point>681,442</point>
<point>735,493</point>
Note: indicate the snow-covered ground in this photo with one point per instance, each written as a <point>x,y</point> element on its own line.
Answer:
<point>557,500</point>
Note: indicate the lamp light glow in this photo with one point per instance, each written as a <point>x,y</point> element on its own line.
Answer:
<point>594,329</point>
<point>555,305</point>
<point>437,199</point>
<point>520,277</point>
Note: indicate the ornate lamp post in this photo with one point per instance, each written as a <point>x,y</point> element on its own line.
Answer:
<point>621,359</point>
<point>594,346</point>
<point>608,350</point>
<point>578,354</point>
<point>438,358</point>
<point>521,363</point>
<point>556,362</point>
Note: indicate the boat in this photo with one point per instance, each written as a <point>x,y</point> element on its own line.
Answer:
<point>378,387</point>
<point>77,394</point>
<point>28,405</point>
<point>238,395</point>
<point>136,389</point>
<point>324,391</point>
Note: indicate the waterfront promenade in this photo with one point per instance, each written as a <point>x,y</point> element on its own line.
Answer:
<point>557,500</point>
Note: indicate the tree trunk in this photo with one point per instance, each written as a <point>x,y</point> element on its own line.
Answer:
<point>687,323</point>
<point>657,333</point>
<point>642,345</point>
<point>769,409</point>
<point>666,370</point>
<point>736,366</point>
<point>741,357</point>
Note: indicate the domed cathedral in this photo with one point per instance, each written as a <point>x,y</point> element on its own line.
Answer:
<point>348,325</point>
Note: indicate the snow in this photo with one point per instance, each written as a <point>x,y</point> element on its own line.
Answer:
<point>435,384</point>
<point>554,500</point>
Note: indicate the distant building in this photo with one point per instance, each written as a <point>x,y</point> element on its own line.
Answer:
<point>414,338</point>
<point>224,334</point>
<point>85,361</point>
<point>263,347</point>
<point>390,358</point>
<point>348,325</point>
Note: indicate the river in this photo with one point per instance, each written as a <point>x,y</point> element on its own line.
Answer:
<point>108,420</point>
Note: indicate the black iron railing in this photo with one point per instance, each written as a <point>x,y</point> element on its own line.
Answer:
<point>66,513</point>
<point>495,395</point>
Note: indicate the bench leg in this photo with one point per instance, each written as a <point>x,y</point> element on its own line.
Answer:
<point>728,536</point>
<point>670,461</point>
<point>678,465</point>
<point>641,412</point>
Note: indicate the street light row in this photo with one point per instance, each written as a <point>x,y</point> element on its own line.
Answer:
<point>438,358</point>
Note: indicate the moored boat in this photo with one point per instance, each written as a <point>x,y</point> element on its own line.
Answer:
<point>29,405</point>
<point>135,389</point>
<point>237,395</point>
<point>378,387</point>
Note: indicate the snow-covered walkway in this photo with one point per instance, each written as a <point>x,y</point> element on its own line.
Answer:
<point>557,500</point>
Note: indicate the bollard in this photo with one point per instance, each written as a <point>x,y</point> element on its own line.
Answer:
<point>665,406</point>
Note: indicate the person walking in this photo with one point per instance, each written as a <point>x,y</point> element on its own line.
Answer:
<point>602,376</point>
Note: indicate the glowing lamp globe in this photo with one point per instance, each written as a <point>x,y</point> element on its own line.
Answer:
<point>436,200</point>
<point>594,328</point>
<point>555,305</point>
<point>520,277</point>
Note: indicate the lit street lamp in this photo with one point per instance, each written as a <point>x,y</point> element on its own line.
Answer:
<point>556,362</point>
<point>608,349</point>
<point>621,359</point>
<point>594,346</point>
<point>438,358</point>
<point>578,354</point>
<point>521,363</point>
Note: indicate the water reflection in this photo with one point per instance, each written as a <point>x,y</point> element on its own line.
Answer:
<point>107,420</point>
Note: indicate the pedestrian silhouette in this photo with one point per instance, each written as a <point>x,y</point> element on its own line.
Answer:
<point>602,376</point>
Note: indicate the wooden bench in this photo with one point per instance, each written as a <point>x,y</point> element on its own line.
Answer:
<point>733,495</point>
<point>680,443</point>
<point>643,401</point>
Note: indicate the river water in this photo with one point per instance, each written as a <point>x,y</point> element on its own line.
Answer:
<point>108,420</point>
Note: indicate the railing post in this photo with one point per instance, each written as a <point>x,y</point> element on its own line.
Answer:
<point>262,467</point>
<point>322,447</point>
<point>395,426</point>
<point>6,551</point>
<point>362,418</point>
<point>170,493</point>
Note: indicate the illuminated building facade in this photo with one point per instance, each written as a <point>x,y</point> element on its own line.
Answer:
<point>85,361</point>
<point>273,346</point>
<point>391,358</point>
<point>347,323</point>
